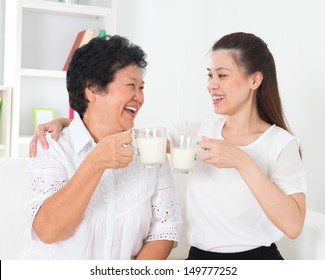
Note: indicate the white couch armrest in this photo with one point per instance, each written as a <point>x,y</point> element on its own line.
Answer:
<point>12,218</point>
<point>310,244</point>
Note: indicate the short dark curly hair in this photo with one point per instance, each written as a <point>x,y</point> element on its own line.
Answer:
<point>95,64</point>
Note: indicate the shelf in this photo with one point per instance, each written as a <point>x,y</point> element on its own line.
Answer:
<point>39,35</point>
<point>43,73</point>
<point>47,37</point>
<point>5,120</point>
<point>63,8</point>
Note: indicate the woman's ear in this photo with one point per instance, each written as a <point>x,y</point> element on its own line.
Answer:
<point>257,79</point>
<point>91,96</point>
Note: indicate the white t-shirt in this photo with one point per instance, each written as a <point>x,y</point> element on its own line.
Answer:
<point>130,205</point>
<point>223,215</point>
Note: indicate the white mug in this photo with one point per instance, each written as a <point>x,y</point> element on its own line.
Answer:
<point>183,151</point>
<point>152,143</point>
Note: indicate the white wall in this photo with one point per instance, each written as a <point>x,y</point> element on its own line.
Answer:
<point>2,29</point>
<point>177,35</point>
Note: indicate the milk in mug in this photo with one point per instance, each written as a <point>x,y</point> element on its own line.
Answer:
<point>183,159</point>
<point>152,150</point>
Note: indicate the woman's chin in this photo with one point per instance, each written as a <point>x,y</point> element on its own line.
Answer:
<point>128,126</point>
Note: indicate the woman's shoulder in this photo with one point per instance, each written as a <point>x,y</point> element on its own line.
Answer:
<point>282,134</point>
<point>279,138</point>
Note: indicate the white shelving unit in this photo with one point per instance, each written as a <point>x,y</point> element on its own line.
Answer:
<point>5,121</point>
<point>38,37</point>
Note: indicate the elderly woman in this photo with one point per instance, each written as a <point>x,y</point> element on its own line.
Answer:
<point>89,197</point>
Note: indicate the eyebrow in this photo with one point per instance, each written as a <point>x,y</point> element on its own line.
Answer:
<point>219,68</point>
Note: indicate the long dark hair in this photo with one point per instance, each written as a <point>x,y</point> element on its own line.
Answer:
<point>252,54</point>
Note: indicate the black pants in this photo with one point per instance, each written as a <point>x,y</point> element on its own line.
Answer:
<point>260,253</point>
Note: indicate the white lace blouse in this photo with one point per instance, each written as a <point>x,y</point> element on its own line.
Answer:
<point>130,206</point>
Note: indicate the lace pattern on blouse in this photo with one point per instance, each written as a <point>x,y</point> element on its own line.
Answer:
<point>132,187</point>
<point>40,188</point>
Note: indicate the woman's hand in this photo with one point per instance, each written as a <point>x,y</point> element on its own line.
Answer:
<point>114,151</point>
<point>221,154</point>
<point>55,127</point>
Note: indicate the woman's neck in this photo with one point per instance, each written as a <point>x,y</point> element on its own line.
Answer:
<point>96,128</point>
<point>243,128</point>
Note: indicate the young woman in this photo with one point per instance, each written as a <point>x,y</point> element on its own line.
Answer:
<point>247,190</point>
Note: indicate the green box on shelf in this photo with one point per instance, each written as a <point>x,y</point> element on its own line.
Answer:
<point>42,115</point>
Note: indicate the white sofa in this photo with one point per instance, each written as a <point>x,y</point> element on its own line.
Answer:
<point>308,246</point>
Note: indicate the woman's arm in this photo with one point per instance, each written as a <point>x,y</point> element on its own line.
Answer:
<point>155,250</point>
<point>287,212</point>
<point>62,212</point>
<point>55,127</point>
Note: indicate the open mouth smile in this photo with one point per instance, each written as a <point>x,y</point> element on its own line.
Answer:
<point>131,110</point>
<point>217,98</point>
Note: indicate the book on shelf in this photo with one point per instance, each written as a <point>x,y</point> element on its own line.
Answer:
<point>82,38</point>
<point>102,33</point>
<point>75,46</point>
<point>88,35</point>
<point>71,113</point>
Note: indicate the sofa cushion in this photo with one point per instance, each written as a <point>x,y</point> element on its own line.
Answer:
<point>11,206</point>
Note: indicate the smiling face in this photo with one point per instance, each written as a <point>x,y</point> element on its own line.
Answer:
<point>232,91</point>
<point>115,110</point>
